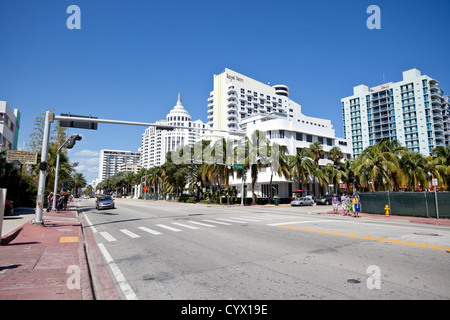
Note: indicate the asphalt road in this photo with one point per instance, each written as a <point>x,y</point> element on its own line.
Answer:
<point>160,250</point>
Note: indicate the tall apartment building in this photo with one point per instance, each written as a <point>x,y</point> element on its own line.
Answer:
<point>156,143</point>
<point>446,119</point>
<point>114,161</point>
<point>9,127</point>
<point>411,111</point>
<point>242,103</point>
<point>236,97</point>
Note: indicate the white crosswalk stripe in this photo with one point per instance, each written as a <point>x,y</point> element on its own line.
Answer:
<point>202,224</point>
<point>184,225</point>
<point>150,231</point>
<point>107,236</point>
<point>129,233</point>
<point>230,220</point>
<point>168,228</point>
<point>245,219</point>
<point>217,222</point>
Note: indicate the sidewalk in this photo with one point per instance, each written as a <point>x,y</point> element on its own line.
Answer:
<point>45,262</point>
<point>433,221</point>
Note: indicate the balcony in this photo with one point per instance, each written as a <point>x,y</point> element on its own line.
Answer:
<point>436,101</point>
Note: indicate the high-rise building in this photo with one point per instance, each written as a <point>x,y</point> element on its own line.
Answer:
<point>242,103</point>
<point>156,143</point>
<point>236,97</point>
<point>411,111</point>
<point>114,161</point>
<point>9,127</point>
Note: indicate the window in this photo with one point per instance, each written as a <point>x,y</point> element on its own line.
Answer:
<point>298,136</point>
<point>309,138</point>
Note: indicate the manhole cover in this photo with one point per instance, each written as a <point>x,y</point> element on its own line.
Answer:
<point>353,281</point>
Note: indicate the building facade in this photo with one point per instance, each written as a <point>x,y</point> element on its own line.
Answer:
<point>9,127</point>
<point>156,143</point>
<point>114,161</point>
<point>236,97</point>
<point>411,111</point>
<point>242,103</point>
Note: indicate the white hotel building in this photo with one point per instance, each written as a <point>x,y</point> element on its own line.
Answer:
<point>241,103</point>
<point>156,143</point>
<point>115,161</point>
<point>413,111</point>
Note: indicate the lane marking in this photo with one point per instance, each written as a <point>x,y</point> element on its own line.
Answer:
<point>358,236</point>
<point>185,225</point>
<point>129,233</point>
<point>168,228</point>
<point>202,224</point>
<point>94,230</point>
<point>303,221</point>
<point>150,231</point>
<point>126,289</point>
<point>218,222</point>
<point>107,236</point>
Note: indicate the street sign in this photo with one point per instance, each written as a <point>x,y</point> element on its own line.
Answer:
<point>238,166</point>
<point>78,124</point>
<point>145,188</point>
<point>434,182</point>
<point>21,157</point>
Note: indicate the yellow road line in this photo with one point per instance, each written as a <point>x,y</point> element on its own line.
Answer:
<point>351,235</point>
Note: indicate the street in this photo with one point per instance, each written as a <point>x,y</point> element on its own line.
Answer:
<point>163,250</point>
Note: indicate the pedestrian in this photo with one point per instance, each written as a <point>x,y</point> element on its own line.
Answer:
<point>60,204</point>
<point>355,205</point>
<point>335,202</point>
<point>50,201</point>
<point>66,199</point>
<point>346,205</point>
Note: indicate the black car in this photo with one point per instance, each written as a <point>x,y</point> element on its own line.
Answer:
<point>325,199</point>
<point>9,207</point>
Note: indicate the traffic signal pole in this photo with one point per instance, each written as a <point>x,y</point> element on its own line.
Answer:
<point>50,117</point>
<point>43,170</point>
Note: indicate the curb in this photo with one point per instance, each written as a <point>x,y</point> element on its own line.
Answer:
<point>102,284</point>
<point>6,239</point>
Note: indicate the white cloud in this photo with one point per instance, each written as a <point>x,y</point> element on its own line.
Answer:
<point>87,153</point>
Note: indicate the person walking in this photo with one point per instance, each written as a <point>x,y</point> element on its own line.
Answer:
<point>335,203</point>
<point>346,205</point>
<point>50,201</point>
<point>356,206</point>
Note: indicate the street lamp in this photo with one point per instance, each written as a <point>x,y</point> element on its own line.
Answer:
<point>69,144</point>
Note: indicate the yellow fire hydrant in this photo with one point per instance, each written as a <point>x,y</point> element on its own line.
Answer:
<point>387,210</point>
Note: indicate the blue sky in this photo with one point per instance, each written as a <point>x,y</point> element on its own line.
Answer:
<point>131,58</point>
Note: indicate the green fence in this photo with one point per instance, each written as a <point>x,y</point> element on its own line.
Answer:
<point>417,204</point>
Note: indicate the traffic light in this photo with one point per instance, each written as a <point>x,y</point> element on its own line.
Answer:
<point>72,140</point>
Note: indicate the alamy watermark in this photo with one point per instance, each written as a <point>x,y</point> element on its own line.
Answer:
<point>74,280</point>
<point>374,281</point>
<point>74,20</point>
<point>374,21</point>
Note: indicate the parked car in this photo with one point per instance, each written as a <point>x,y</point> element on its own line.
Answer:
<point>104,202</point>
<point>325,199</point>
<point>304,201</point>
<point>9,207</point>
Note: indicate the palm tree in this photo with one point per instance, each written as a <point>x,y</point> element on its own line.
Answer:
<point>317,152</point>
<point>302,166</point>
<point>78,182</point>
<point>278,163</point>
